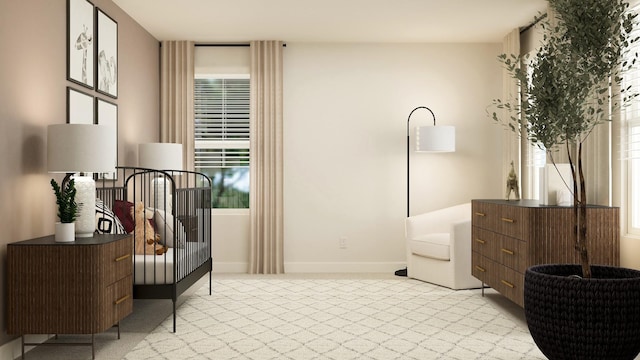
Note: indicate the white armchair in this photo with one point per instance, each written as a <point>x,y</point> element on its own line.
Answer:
<point>439,247</point>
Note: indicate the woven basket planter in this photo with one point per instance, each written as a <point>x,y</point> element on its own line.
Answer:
<point>581,319</point>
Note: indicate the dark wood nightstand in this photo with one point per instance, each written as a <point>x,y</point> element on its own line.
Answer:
<point>81,287</point>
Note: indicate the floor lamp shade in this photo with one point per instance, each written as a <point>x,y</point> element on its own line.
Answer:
<point>82,148</point>
<point>428,139</point>
<point>436,139</point>
<point>160,156</point>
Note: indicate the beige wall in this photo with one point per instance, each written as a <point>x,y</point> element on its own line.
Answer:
<point>33,95</point>
<point>345,118</point>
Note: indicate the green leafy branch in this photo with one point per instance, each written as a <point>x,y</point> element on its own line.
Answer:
<point>65,198</point>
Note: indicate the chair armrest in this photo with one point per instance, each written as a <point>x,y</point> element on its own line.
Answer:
<point>438,221</point>
<point>460,240</point>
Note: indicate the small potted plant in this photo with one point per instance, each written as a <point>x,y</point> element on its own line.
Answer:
<point>577,311</point>
<point>67,210</point>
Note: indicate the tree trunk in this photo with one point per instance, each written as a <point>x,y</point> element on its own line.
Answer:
<point>580,213</point>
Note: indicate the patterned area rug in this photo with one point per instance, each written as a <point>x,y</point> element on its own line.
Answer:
<point>336,319</point>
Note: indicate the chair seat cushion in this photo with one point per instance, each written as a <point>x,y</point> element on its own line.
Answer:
<point>435,246</point>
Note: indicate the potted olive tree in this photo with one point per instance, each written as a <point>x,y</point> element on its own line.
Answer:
<point>580,311</point>
<point>67,210</point>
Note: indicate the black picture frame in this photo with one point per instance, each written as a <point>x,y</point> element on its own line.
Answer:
<point>81,42</point>
<point>107,114</point>
<point>106,55</point>
<point>80,107</point>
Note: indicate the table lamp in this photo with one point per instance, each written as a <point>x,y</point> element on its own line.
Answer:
<point>160,156</point>
<point>80,149</point>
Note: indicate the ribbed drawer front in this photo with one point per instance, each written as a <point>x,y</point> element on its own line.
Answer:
<point>501,219</point>
<point>484,242</point>
<point>483,268</point>
<point>510,283</point>
<point>509,221</point>
<point>481,215</point>
<point>512,253</point>
<point>117,301</point>
<point>117,260</point>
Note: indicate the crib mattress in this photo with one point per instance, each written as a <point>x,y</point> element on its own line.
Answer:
<point>160,269</point>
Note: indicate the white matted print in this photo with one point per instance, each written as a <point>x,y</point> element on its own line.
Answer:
<point>80,42</point>
<point>107,55</point>
<point>107,114</point>
<point>79,107</point>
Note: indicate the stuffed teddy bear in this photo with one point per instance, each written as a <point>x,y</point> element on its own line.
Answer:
<point>147,240</point>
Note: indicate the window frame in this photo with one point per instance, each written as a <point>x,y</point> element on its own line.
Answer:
<point>224,144</point>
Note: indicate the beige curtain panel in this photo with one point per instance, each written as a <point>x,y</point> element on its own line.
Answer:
<point>510,91</point>
<point>266,199</point>
<point>176,97</point>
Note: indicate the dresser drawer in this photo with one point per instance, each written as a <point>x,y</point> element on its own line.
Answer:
<point>512,253</point>
<point>510,283</point>
<point>118,263</point>
<point>509,221</point>
<point>484,242</point>
<point>482,268</point>
<point>117,301</point>
<point>506,220</point>
<point>481,215</point>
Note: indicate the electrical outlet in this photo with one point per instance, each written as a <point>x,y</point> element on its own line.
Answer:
<point>343,243</point>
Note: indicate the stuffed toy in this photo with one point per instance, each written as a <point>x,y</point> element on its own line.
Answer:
<point>147,240</point>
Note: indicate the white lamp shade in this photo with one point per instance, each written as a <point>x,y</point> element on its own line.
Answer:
<point>160,156</point>
<point>436,139</point>
<point>73,148</point>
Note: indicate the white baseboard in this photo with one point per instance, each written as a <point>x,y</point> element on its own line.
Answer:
<point>317,267</point>
<point>343,267</point>
<point>230,267</point>
<point>13,349</point>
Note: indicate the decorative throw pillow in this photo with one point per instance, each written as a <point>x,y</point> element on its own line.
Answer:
<point>122,209</point>
<point>106,221</point>
<point>164,226</point>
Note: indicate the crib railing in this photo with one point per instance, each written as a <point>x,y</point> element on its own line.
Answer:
<point>184,195</point>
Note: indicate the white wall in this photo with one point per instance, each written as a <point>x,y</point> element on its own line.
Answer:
<point>346,109</point>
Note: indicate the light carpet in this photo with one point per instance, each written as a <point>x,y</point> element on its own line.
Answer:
<point>336,319</point>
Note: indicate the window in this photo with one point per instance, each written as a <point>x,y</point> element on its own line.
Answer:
<point>221,114</point>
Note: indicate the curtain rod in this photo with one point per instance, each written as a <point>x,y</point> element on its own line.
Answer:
<point>533,23</point>
<point>229,45</point>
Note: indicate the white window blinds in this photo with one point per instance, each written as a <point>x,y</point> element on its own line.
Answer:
<point>221,122</point>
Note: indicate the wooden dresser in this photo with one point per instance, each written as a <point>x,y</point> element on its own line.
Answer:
<point>81,287</point>
<point>510,236</point>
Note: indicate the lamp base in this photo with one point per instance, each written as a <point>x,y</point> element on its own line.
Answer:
<point>401,272</point>
<point>84,235</point>
<point>86,199</point>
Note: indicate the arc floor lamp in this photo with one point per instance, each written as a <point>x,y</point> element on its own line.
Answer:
<point>432,139</point>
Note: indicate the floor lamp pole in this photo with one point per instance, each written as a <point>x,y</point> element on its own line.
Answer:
<point>403,272</point>
<point>408,149</point>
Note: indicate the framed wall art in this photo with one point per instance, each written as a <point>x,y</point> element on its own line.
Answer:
<point>107,114</point>
<point>106,55</point>
<point>80,42</point>
<point>79,107</point>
